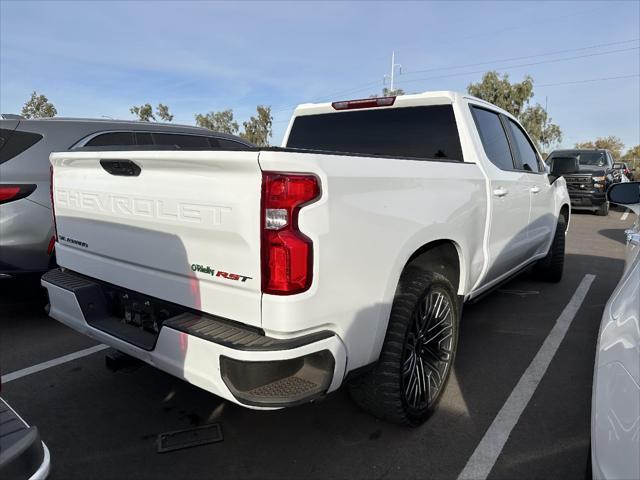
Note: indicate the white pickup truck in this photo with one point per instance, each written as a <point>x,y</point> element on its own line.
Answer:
<point>272,276</point>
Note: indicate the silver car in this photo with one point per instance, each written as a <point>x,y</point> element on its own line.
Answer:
<point>26,227</point>
<point>615,409</point>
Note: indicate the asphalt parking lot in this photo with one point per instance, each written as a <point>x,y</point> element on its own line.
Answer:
<point>103,424</point>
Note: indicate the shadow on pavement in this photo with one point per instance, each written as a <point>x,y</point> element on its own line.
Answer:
<point>616,234</point>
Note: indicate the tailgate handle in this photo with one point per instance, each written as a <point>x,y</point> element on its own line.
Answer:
<point>121,168</point>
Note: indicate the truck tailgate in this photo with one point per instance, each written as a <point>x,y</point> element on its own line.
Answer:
<point>180,226</point>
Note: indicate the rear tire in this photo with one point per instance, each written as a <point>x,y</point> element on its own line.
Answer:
<point>550,267</point>
<point>603,211</point>
<point>411,373</point>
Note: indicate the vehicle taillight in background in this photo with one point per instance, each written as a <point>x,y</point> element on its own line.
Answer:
<point>287,254</point>
<point>364,103</point>
<point>53,208</point>
<point>10,193</point>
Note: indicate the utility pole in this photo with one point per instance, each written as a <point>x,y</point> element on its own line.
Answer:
<point>544,125</point>
<point>393,70</point>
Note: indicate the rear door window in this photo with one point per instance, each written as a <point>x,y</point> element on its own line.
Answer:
<point>144,138</point>
<point>15,142</point>
<point>493,137</point>
<point>227,144</point>
<point>428,132</point>
<point>185,142</point>
<point>112,139</point>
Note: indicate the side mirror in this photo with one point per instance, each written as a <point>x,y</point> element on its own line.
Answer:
<point>562,166</point>
<point>618,166</point>
<point>624,193</point>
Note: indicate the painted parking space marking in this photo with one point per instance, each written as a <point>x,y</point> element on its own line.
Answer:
<point>488,450</point>
<point>52,363</point>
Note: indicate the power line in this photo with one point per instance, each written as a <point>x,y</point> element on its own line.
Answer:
<point>522,57</point>
<point>587,81</point>
<point>371,84</point>
<point>508,67</point>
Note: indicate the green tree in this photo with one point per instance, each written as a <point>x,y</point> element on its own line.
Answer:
<point>38,106</point>
<point>611,143</point>
<point>515,98</point>
<point>538,124</point>
<point>511,97</point>
<point>218,121</point>
<point>632,157</point>
<point>143,112</point>
<point>163,112</point>
<point>396,92</point>
<point>257,129</point>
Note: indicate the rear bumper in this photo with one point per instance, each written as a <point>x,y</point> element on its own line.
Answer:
<point>227,359</point>
<point>23,455</point>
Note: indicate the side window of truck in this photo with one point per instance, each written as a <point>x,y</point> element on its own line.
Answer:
<point>494,138</point>
<point>523,148</point>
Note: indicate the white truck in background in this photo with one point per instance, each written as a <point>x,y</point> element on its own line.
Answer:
<point>272,276</point>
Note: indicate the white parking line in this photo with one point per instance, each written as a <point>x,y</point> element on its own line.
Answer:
<point>624,215</point>
<point>52,363</point>
<point>488,450</point>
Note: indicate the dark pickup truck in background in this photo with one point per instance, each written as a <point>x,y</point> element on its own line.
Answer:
<point>588,174</point>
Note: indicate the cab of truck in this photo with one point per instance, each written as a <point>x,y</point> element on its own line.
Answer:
<point>588,178</point>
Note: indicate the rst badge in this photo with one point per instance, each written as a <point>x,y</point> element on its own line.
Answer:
<point>196,267</point>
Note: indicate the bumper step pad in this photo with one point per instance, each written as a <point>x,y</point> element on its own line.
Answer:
<point>21,450</point>
<point>208,327</point>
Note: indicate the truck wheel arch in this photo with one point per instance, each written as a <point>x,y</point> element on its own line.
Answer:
<point>441,256</point>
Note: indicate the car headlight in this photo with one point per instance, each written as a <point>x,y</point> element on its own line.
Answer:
<point>599,179</point>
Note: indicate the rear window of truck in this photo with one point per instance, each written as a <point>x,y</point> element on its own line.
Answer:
<point>428,132</point>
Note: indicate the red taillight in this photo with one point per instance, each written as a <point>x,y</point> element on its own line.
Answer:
<point>364,103</point>
<point>9,193</point>
<point>287,254</point>
<point>53,208</point>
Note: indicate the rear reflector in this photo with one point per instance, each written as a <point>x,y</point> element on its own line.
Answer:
<point>51,246</point>
<point>287,254</point>
<point>364,103</point>
<point>10,193</point>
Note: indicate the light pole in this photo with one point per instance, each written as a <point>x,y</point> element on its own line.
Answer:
<point>393,71</point>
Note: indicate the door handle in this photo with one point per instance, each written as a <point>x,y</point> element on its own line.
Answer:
<point>535,189</point>
<point>500,192</point>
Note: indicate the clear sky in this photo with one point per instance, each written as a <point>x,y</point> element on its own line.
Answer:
<point>95,58</point>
